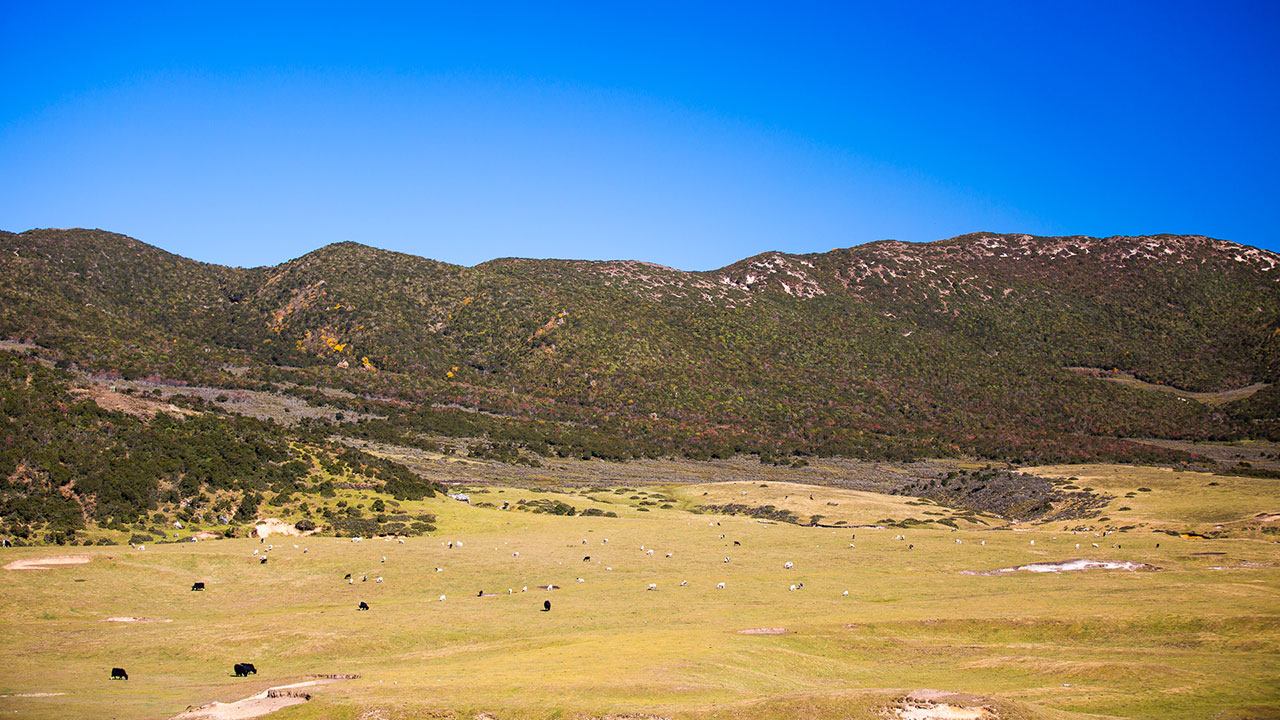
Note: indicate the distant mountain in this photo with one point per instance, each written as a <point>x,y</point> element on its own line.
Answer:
<point>960,345</point>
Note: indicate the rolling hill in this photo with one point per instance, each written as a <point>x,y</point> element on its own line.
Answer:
<point>986,345</point>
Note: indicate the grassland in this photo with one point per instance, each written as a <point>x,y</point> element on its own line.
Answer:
<point>1198,639</point>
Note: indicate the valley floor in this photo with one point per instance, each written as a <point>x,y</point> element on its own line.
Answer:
<point>459,632</point>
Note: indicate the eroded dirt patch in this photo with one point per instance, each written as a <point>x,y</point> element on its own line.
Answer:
<point>267,701</point>
<point>941,705</point>
<point>1069,566</point>
<point>764,631</point>
<point>131,618</point>
<point>272,526</point>
<point>47,563</point>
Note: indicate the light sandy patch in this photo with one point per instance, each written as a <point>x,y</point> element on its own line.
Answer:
<point>764,631</point>
<point>941,711</point>
<point>34,695</point>
<point>1068,566</point>
<point>206,535</point>
<point>942,705</point>
<point>131,618</point>
<point>267,701</point>
<point>273,526</point>
<point>137,405</point>
<point>47,563</point>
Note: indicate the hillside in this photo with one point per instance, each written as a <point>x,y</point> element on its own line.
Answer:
<point>971,346</point>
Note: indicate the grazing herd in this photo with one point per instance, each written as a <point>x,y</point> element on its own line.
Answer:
<point>243,669</point>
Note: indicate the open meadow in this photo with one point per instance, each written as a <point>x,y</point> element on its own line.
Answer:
<point>460,632</point>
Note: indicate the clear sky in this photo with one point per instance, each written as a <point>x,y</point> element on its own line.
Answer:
<point>690,135</point>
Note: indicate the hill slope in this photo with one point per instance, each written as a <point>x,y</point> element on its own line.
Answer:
<point>884,350</point>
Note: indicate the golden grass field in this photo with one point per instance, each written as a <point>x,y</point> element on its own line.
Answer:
<point>1199,639</point>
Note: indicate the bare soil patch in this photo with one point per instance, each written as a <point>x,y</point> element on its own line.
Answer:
<point>764,631</point>
<point>940,705</point>
<point>1069,566</point>
<point>47,563</point>
<point>131,618</point>
<point>267,701</point>
<point>136,405</point>
<point>273,526</point>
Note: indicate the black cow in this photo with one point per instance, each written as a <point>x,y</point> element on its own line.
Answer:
<point>243,669</point>
<point>363,605</point>
<point>347,577</point>
<point>546,606</point>
<point>735,542</point>
<point>197,586</point>
<point>119,674</point>
<point>586,559</point>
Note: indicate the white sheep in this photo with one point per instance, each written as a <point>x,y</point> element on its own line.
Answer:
<point>581,580</point>
<point>683,583</point>
<point>844,594</point>
<point>441,598</point>
<point>726,559</point>
<point>378,580</point>
<point>793,587</point>
<point>652,586</point>
<point>670,554</point>
<point>720,586</point>
<point>788,565</point>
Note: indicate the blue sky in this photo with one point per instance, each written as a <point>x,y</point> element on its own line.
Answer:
<point>688,135</point>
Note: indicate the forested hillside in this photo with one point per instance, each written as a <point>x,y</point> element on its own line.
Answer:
<point>886,350</point>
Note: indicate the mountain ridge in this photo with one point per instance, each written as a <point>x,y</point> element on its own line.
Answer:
<point>872,328</point>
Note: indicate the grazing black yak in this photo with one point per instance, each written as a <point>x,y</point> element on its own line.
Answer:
<point>363,605</point>
<point>243,669</point>
<point>197,586</point>
<point>546,606</point>
<point>119,674</point>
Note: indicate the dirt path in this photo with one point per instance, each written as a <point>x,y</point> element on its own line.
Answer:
<point>47,563</point>
<point>267,701</point>
<point>1220,397</point>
